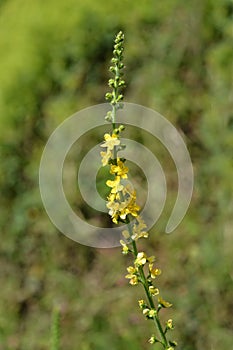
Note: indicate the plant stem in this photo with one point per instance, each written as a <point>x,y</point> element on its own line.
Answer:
<point>146,288</point>
<point>144,281</point>
<point>113,117</point>
<point>114,98</point>
<point>55,329</point>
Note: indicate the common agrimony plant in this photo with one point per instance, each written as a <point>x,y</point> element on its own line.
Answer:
<point>123,208</point>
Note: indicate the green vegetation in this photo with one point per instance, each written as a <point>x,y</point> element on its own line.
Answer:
<point>54,59</point>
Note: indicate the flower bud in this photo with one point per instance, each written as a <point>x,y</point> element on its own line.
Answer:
<point>152,340</point>
<point>120,98</point>
<point>169,324</point>
<point>111,82</point>
<point>141,303</point>
<point>108,96</point>
<point>108,117</point>
<point>112,69</point>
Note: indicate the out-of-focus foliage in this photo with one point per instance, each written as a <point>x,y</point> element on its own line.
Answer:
<point>54,59</point>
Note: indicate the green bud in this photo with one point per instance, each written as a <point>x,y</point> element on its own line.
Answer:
<point>120,105</point>
<point>117,46</point>
<point>120,98</point>
<point>153,340</point>
<point>112,69</point>
<point>111,82</point>
<point>173,343</point>
<point>108,117</point>
<point>119,37</point>
<point>121,147</point>
<point>114,60</point>
<point>108,96</point>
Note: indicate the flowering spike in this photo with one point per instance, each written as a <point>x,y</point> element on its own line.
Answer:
<point>123,207</point>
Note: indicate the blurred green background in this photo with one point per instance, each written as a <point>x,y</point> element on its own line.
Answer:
<point>54,61</point>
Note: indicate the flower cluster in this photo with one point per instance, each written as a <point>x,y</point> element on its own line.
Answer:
<point>134,273</point>
<point>111,141</point>
<point>121,200</point>
<point>123,207</point>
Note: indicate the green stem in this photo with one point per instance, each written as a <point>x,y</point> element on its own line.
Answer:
<point>113,117</point>
<point>146,288</point>
<point>55,330</point>
<point>152,305</point>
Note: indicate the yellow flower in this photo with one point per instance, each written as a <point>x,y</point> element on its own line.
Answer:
<point>120,169</point>
<point>132,275</point>
<point>152,339</point>
<point>125,248</point>
<point>105,157</point>
<point>141,303</point>
<point>123,213</point>
<point>112,197</point>
<point>130,198</point>
<point>152,313</point>
<point>115,219</point>
<point>115,185</point>
<point>138,229</point>
<point>151,259</point>
<point>133,280</point>
<point>169,324</point>
<point>130,193</point>
<point>164,303</point>
<point>132,208</point>
<point>113,206</point>
<point>116,209</point>
<point>141,259</point>
<point>154,272</point>
<point>132,269</point>
<point>110,141</point>
<point>126,234</point>
<point>153,290</point>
